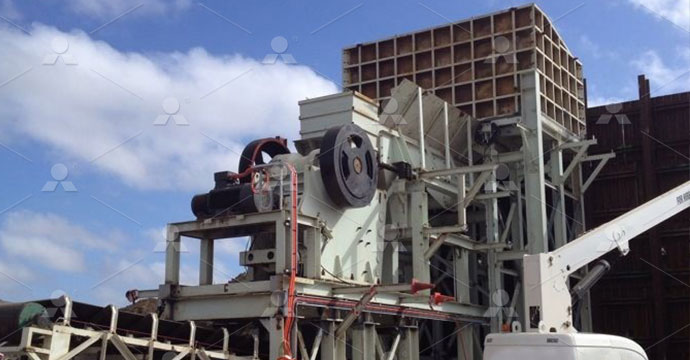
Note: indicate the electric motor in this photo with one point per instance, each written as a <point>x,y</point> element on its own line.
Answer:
<point>346,160</point>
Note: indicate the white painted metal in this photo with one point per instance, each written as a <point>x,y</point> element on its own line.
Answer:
<point>535,346</point>
<point>546,274</point>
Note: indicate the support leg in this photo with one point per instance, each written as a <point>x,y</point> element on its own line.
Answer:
<point>419,214</point>
<point>409,344</point>
<point>206,262</point>
<point>172,256</point>
<point>364,340</point>
<point>332,347</point>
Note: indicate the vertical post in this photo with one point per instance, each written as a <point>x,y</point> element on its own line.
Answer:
<point>172,256</point>
<point>465,339</point>
<point>462,211</point>
<point>312,260</point>
<point>364,340</point>
<point>559,216</point>
<point>206,261</point>
<point>494,264</point>
<point>398,199</point>
<point>533,154</point>
<point>274,327</point>
<point>650,191</point>
<point>409,346</point>
<point>446,136</point>
<point>332,347</point>
<point>419,214</point>
<point>282,244</point>
<point>516,226</point>
<point>422,154</point>
<point>470,154</point>
<point>517,236</point>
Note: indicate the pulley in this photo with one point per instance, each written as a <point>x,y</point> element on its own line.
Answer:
<point>253,154</point>
<point>349,168</point>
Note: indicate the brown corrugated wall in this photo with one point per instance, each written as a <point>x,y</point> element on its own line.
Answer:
<point>647,294</point>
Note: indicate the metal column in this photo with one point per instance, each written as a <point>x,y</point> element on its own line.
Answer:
<point>206,261</point>
<point>533,153</point>
<point>494,265</point>
<point>409,346</point>
<point>172,256</point>
<point>465,337</point>
<point>364,339</point>
<point>419,215</point>
<point>332,347</point>
<point>559,216</point>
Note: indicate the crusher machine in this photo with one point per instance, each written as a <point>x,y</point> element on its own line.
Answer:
<point>395,231</point>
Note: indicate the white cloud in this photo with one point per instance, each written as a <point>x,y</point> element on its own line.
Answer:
<point>665,77</point>
<point>596,50</point>
<point>109,8</point>
<point>15,280</point>
<point>122,275</point>
<point>49,241</point>
<point>103,109</point>
<point>675,11</point>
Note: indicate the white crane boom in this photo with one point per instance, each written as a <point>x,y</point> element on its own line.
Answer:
<point>548,300</point>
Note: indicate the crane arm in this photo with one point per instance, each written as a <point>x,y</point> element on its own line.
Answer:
<point>548,301</point>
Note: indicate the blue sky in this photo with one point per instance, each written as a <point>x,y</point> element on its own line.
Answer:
<point>93,120</point>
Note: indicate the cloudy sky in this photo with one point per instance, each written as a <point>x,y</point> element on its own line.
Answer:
<point>89,181</point>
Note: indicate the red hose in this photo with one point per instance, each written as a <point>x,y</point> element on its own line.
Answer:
<point>290,318</point>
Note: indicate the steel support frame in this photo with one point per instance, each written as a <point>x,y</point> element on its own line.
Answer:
<point>536,130</point>
<point>528,215</point>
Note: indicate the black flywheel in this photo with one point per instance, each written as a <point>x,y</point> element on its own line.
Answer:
<point>253,154</point>
<point>349,168</point>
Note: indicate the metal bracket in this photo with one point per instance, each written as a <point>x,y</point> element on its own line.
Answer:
<point>603,159</point>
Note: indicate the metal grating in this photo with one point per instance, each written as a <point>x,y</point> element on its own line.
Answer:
<point>474,64</point>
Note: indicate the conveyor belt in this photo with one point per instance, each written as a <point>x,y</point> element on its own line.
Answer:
<point>129,330</point>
